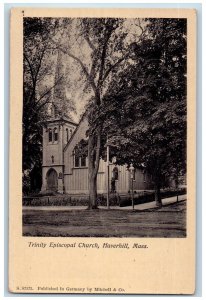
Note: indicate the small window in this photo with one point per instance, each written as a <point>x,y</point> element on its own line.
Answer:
<point>50,135</point>
<point>55,135</point>
<point>67,134</point>
<point>76,161</point>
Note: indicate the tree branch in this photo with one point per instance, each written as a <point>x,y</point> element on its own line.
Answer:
<point>84,68</point>
<point>103,56</point>
<point>92,70</point>
<point>126,55</point>
<point>34,77</point>
<point>40,61</point>
<point>47,92</point>
<point>37,108</point>
<point>140,26</point>
<point>114,66</point>
<point>30,68</point>
<point>91,45</point>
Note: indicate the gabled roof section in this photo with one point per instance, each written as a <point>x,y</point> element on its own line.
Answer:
<point>76,129</point>
<point>63,119</point>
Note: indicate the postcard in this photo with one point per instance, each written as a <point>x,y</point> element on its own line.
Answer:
<point>102,151</point>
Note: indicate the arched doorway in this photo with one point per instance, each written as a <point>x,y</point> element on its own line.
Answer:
<point>52,180</point>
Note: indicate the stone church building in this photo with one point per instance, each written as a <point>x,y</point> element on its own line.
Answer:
<point>64,171</point>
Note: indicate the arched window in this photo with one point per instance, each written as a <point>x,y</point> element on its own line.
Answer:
<point>79,159</point>
<point>67,134</point>
<point>83,161</point>
<point>50,135</point>
<point>55,134</point>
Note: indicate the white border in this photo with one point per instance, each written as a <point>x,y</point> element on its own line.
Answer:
<point>45,3</point>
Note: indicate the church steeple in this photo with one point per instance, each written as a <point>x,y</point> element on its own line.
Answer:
<point>59,98</point>
<point>57,131</point>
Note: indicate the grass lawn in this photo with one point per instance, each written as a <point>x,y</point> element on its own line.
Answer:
<point>169,221</point>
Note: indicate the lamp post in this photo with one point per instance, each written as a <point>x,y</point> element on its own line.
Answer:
<point>131,169</point>
<point>107,174</point>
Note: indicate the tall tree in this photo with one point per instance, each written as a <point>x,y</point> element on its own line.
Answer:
<point>39,56</point>
<point>108,50</point>
<point>147,109</point>
<point>36,50</point>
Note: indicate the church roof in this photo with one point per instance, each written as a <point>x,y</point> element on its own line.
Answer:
<point>76,129</point>
<point>56,115</point>
<point>64,118</point>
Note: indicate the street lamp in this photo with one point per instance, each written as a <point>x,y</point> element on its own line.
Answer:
<point>131,169</point>
<point>107,173</point>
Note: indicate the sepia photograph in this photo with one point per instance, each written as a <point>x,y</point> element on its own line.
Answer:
<point>104,127</point>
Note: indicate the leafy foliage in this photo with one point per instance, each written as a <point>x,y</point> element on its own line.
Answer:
<point>145,111</point>
<point>38,75</point>
<point>136,82</point>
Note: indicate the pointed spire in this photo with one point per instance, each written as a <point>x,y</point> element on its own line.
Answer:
<point>58,104</point>
<point>59,95</point>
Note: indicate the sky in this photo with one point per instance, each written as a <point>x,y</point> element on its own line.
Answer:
<point>69,39</point>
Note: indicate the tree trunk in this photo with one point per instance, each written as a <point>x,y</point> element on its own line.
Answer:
<point>92,191</point>
<point>177,184</point>
<point>158,199</point>
<point>93,167</point>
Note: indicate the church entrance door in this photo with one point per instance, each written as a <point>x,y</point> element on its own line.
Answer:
<point>52,180</point>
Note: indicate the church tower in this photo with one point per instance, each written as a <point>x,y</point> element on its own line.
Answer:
<point>57,131</point>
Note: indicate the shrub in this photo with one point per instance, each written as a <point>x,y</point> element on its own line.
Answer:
<point>83,200</point>
<point>57,200</point>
